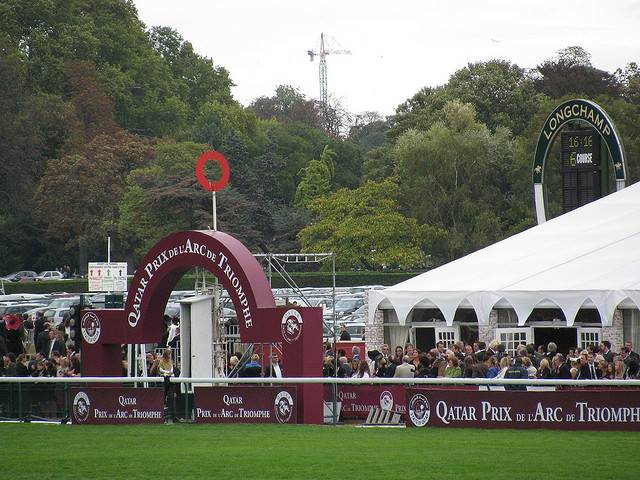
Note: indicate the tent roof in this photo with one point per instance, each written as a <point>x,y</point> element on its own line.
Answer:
<point>587,257</point>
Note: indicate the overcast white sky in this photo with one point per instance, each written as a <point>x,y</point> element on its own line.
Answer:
<point>397,47</point>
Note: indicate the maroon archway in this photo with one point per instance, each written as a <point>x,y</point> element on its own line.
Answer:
<point>299,329</point>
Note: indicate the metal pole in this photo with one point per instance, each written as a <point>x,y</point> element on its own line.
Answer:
<point>215,214</point>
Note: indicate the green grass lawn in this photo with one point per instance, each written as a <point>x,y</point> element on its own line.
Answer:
<point>240,451</point>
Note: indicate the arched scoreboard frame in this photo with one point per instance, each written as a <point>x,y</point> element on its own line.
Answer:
<point>570,111</point>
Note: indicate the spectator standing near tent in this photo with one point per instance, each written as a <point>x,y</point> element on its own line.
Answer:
<point>166,370</point>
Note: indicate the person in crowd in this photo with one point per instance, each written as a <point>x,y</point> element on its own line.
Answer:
<point>54,343</point>
<point>492,351</point>
<point>363,370</point>
<point>63,370</point>
<point>621,370</point>
<point>625,355</point>
<point>166,370</point>
<point>467,367</point>
<point>589,371</point>
<point>406,370</point>
<point>3,347</point>
<point>253,368</point>
<point>453,370</point>
<point>399,352</point>
<point>22,369</point>
<point>392,365</point>
<point>10,367</point>
<point>355,350</point>
<point>345,336</point>
<point>344,367</point>
<point>633,354</point>
<point>480,368</point>
<point>408,349</point>
<point>602,367</point>
<point>528,365</point>
<point>15,335</point>
<point>504,365</point>
<point>75,366</point>
<point>552,349</point>
<point>633,370</point>
<point>516,371</point>
<point>381,366</point>
<point>355,366</point>
<point>233,362</point>
<point>574,365</point>
<point>424,370</point>
<point>274,369</point>
<point>544,371</point>
<point>609,372</point>
<point>559,368</point>
<point>494,366</point>
<point>605,349</point>
<point>328,369</point>
<point>415,358</point>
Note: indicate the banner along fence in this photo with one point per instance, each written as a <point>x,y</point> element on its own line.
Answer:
<point>436,402</point>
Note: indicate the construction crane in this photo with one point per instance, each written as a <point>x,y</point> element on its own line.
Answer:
<point>325,49</point>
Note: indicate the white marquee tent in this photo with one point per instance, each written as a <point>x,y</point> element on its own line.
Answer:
<point>589,257</point>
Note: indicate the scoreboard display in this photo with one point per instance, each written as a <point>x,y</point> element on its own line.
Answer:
<point>581,174</point>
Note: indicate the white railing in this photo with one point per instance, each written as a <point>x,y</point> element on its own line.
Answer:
<point>332,380</point>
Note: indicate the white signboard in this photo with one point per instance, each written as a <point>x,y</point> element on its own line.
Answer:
<point>107,277</point>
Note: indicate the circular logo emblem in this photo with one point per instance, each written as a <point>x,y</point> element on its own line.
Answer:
<point>81,404</point>
<point>386,400</point>
<point>90,325</point>
<point>419,410</point>
<point>291,325</point>
<point>283,406</point>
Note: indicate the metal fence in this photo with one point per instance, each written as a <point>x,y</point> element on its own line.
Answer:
<point>48,398</point>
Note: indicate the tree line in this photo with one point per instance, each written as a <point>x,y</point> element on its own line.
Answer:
<point>102,122</point>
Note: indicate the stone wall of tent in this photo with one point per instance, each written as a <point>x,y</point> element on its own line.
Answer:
<point>575,277</point>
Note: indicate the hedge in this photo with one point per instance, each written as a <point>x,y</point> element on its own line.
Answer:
<point>308,279</point>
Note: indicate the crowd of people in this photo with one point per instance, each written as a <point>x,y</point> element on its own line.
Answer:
<point>479,361</point>
<point>37,348</point>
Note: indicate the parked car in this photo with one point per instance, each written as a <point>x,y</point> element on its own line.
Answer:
<point>65,302</point>
<point>18,308</point>
<point>17,276</point>
<point>55,316</point>
<point>50,275</point>
<point>345,306</point>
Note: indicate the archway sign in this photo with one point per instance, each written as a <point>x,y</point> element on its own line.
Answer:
<point>299,329</point>
<point>576,110</point>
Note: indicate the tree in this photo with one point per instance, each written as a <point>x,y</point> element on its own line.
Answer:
<point>369,131</point>
<point>316,178</point>
<point>572,73</point>
<point>288,106</point>
<point>499,91</point>
<point>364,228</point>
<point>79,195</point>
<point>450,179</point>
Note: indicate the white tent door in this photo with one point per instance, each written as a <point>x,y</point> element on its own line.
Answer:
<point>512,337</point>
<point>425,338</point>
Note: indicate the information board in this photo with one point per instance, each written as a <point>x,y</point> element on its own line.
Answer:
<point>107,277</point>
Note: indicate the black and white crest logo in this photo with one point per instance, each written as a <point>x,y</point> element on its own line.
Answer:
<point>283,406</point>
<point>419,410</point>
<point>90,325</point>
<point>81,407</point>
<point>386,400</point>
<point>291,325</point>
